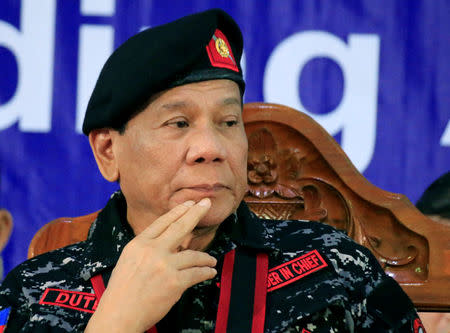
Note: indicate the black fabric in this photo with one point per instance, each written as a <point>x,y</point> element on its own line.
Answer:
<point>209,74</point>
<point>156,59</point>
<point>390,303</point>
<point>240,316</point>
<point>251,235</point>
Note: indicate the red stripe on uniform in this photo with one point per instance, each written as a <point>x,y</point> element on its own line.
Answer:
<point>152,330</point>
<point>98,285</point>
<point>225,293</point>
<point>259,305</point>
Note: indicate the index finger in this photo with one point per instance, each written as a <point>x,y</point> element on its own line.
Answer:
<point>174,235</point>
<point>161,223</point>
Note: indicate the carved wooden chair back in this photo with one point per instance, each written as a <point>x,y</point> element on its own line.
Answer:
<point>296,170</point>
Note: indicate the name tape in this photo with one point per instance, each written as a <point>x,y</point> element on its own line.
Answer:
<point>75,300</point>
<point>294,270</point>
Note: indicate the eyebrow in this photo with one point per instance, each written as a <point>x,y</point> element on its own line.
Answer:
<point>174,105</point>
<point>231,101</point>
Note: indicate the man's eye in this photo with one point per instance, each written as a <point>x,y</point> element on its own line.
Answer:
<point>178,124</point>
<point>231,123</point>
<point>182,124</point>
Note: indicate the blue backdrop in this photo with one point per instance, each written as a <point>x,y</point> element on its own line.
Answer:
<point>375,74</point>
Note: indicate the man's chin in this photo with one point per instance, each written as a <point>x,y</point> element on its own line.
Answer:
<point>214,217</point>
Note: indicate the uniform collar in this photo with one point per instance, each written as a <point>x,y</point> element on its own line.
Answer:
<point>249,231</point>
<point>107,237</point>
<point>110,232</point>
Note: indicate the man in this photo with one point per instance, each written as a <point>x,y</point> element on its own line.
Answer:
<point>176,250</point>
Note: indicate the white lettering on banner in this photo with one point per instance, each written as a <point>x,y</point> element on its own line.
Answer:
<point>33,48</point>
<point>98,7</point>
<point>356,114</point>
<point>445,139</point>
<point>96,43</point>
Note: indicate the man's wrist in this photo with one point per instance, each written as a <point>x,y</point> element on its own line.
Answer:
<point>111,324</point>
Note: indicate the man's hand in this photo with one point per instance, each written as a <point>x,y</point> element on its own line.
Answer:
<point>152,274</point>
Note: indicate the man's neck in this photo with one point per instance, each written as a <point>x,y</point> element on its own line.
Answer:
<point>202,238</point>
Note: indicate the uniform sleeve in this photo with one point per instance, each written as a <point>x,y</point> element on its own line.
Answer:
<point>390,308</point>
<point>13,313</point>
<point>385,307</point>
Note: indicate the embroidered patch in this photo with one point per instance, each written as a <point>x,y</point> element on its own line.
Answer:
<point>4,314</point>
<point>294,270</point>
<point>418,326</point>
<point>305,331</point>
<point>220,53</point>
<point>75,300</point>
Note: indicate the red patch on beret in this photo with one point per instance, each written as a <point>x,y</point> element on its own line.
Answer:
<point>220,53</point>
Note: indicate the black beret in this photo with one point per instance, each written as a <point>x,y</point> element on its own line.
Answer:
<point>199,47</point>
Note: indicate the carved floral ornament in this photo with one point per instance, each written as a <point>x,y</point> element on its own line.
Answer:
<point>266,177</point>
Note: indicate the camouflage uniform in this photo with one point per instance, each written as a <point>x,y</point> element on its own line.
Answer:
<point>350,294</point>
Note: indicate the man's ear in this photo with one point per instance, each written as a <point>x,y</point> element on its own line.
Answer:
<point>101,144</point>
<point>6,225</point>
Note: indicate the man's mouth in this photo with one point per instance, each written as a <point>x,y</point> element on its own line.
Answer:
<point>206,188</point>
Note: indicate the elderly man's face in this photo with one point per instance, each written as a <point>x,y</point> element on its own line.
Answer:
<point>188,144</point>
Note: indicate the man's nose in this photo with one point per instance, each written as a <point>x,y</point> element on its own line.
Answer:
<point>206,146</point>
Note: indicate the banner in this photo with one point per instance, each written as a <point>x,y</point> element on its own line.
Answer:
<point>375,74</point>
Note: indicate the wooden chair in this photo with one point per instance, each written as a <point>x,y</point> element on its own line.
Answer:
<point>296,170</point>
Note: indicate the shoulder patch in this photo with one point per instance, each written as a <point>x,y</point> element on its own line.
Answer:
<point>4,314</point>
<point>294,270</point>
<point>75,300</point>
